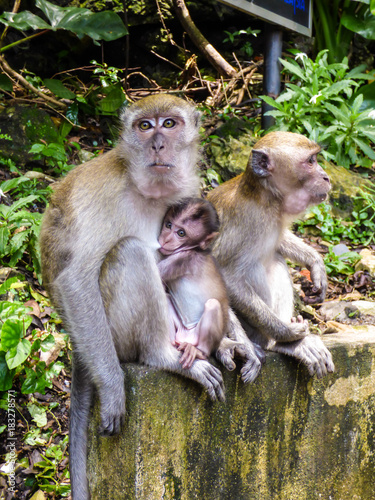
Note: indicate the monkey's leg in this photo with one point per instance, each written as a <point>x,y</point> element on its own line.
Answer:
<point>238,345</point>
<point>136,306</point>
<point>80,402</point>
<point>310,350</point>
<point>210,326</point>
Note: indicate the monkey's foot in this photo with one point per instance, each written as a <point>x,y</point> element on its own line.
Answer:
<point>311,352</point>
<point>112,412</point>
<point>252,354</point>
<point>210,377</point>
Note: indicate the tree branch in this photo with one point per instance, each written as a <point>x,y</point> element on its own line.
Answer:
<point>211,54</point>
<point>7,69</point>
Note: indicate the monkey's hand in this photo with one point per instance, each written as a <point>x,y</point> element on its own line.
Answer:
<point>190,354</point>
<point>210,377</point>
<point>112,410</point>
<point>311,352</point>
<point>319,278</point>
<point>298,329</point>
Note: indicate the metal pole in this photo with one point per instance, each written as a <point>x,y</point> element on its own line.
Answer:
<point>271,76</point>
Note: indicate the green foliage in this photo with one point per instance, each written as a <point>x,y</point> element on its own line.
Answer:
<point>19,352</point>
<point>54,155</point>
<point>359,229</point>
<point>19,231</point>
<point>237,39</point>
<point>49,470</point>
<point>341,264</point>
<point>320,104</point>
<point>98,26</point>
<point>337,21</point>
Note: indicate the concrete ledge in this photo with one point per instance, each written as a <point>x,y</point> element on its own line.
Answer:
<point>284,437</point>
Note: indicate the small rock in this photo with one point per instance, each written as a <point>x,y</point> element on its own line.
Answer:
<point>340,249</point>
<point>364,307</point>
<point>334,310</point>
<point>367,262</point>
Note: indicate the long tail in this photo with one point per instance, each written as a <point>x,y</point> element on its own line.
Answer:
<point>81,397</point>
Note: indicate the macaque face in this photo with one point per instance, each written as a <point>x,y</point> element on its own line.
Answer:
<point>289,164</point>
<point>181,233</point>
<point>159,145</point>
<point>311,186</point>
<point>158,134</point>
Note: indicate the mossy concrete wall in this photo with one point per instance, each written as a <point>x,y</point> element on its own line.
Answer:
<point>285,437</point>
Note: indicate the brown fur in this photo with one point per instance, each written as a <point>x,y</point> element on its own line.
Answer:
<point>255,210</point>
<point>99,251</point>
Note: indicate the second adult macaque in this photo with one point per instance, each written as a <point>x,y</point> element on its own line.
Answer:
<point>198,304</point>
<point>255,208</point>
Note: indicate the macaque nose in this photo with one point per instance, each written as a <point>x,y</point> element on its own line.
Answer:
<point>157,143</point>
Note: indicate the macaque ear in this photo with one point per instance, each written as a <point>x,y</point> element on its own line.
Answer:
<point>208,240</point>
<point>260,163</point>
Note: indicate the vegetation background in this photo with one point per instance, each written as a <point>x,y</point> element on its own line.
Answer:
<point>67,67</point>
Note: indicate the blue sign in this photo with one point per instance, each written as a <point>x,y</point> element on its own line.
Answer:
<point>292,14</point>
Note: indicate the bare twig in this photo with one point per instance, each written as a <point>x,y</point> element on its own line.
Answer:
<point>11,72</point>
<point>211,54</point>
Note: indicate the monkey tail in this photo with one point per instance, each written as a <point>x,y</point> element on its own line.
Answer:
<point>80,403</point>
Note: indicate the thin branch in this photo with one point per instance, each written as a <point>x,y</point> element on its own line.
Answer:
<point>211,54</point>
<point>11,72</point>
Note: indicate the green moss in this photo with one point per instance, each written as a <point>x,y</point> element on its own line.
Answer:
<point>285,437</point>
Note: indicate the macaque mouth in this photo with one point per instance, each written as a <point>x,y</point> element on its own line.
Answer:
<point>160,167</point>
<point>321,197</point>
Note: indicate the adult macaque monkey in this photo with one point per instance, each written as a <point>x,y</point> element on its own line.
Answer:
<point>255,209</point>
<point>198,301</point>
<point>99,244</point>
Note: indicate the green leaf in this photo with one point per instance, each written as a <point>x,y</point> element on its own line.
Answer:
<point>38,414</point>
<point>113,101</point>
<point>365,148</point>
<point>7,284</point>
<point>53,13</point>
<point>48,343</point>
<point>98,26</point>
<point>22,202</point>
<point>337,113</point>
<point>36,380</point>
<point>338,87</point>
<point>24,21</point>
<point>59,89</point>
<point>5,82</point>
<point>364,26</point>
<point>12,183</point>
<point>293,68</point>
<point>6,375</point>
<point>17,355</point>
<point>11,333</point>
<point>272,102</point>
<point>357,103</point>
<point>4,238</point>
<point>12,310</point>
<point>18,240</point>
<point>72,113</point>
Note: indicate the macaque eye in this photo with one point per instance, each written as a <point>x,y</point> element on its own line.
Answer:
<point>312,159</point>
<point>181,233</point>
<point>168,225</point>
<point>145,125</point>
<point>169,123</point>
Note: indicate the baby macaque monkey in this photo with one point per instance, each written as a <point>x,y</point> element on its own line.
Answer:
<point>198,303</point>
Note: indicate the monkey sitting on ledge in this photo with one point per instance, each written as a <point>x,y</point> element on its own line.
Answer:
<point>198,302</point>
<point>281,180</point>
